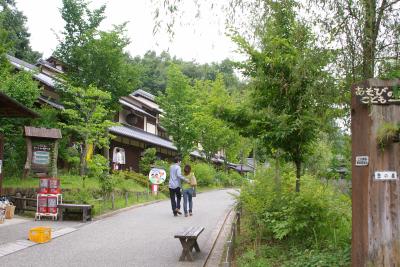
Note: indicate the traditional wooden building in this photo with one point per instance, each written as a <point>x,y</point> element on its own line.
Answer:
<point>140,129</point>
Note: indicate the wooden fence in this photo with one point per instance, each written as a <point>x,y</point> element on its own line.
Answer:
<point>230,243</point>
<point>23,203</point>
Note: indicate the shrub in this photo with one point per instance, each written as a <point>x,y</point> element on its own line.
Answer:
<point>97,166</point>
<point>205,174</point>
<point>235,178</point>
<point>317,216</point>
<point>148,159</point>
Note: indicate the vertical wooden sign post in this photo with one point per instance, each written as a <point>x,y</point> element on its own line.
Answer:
<point>1,162</point>
<point>375,171</point>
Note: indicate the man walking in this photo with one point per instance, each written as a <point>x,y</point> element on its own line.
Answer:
<point>175,177</point>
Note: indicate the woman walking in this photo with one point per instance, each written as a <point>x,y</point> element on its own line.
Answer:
<point>189,191</point>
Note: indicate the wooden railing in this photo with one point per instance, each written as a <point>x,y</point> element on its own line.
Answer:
<point>230,243</point>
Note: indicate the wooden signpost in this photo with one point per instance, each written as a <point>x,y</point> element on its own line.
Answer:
<point>42,150</point>
<point>375,171</point>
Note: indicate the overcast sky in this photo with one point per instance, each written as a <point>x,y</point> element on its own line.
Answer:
<point>202,40</point>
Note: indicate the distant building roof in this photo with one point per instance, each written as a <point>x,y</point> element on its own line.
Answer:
<point>241,167</point>
<point>136,108</point>
<point>144,94</point>
<point>51,102</point>
<point>22,65</point>
<point>146,99</point>
<point>49,65</point>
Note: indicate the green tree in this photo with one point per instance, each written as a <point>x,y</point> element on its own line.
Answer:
<point>290,85</point>
<point>95,57</point>
<point>21,87</point>
<point>153,71</point>
<point>86,115</point>
<point>366,32</point>
<point>13,22</point>
<point>147,160</point>
<point>212,100</point>
<point>177,103</point>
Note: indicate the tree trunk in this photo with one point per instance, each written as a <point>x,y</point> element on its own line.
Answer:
<point>1,162</point>
<point>54,159</point>
<point>370,35</point>
<point>298,174</point>
<point>82,170</point>
<point>106,150</point>
<point>28,163</point>
<point>277,172</point>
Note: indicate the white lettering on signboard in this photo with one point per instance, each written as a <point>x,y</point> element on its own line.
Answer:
<point>362,160</point>
<point>385,175</point>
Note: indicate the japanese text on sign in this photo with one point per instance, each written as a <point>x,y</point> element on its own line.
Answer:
<point>376,95</point>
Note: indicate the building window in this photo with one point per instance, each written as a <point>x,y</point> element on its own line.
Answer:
<point>150,128</point>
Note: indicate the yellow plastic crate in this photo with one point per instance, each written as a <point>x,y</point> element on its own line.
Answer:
<point>40,234</point>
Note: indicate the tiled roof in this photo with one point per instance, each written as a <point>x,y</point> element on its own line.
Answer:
<point>51,103</point>
<point>146,137</point>
<point>144,94</point>
<point>22,65</point>
<point>125,103</point>
<point>142,135</point>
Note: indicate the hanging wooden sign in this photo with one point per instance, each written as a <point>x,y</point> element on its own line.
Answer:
<point>378,95</point>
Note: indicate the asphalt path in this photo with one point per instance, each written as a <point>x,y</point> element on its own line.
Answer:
<point>142,236</point>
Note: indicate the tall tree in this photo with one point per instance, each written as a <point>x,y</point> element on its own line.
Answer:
<point>95,57</point>
<point>86,116</point>
<point>290,83</point>
<point>13,22</point>
<point>177,103</point>
<point>367,33</point>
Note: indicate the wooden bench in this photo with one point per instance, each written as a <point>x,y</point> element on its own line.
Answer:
<point>86,210</point>
<point>188,238</point>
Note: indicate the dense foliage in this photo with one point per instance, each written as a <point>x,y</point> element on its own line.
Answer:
<point>12,22</point>
<point>313,225</point>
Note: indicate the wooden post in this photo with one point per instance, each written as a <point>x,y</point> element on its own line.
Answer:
<point>112,200</point>
<point>54,159</point>
<point>375,201</point>
<point>1,163</point>
<point>29,153</point>
<point>238,222</point>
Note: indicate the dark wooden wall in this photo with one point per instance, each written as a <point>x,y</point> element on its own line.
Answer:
<point>375,204</point>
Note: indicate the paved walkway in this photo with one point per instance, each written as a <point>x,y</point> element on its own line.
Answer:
<point>138,237</point>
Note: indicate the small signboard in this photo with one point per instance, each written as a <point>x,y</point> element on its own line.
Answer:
<point>157,176</point>
<point>362,160</point>
<point>385,175</point>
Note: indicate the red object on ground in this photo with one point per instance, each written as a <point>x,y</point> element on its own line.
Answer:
<point>54,186</point>
<point>42,204</point>
<point>52,204</point>
<point>44,185</point>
